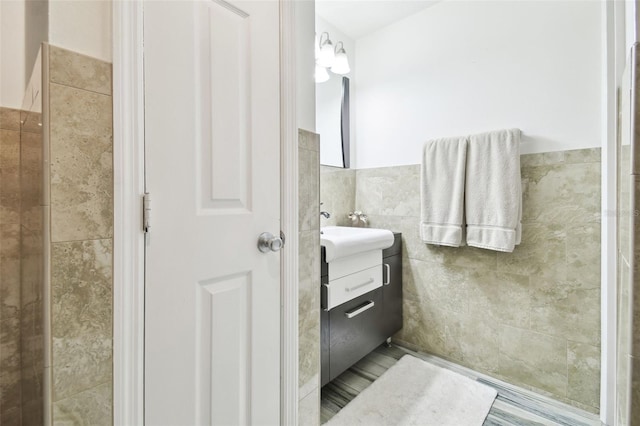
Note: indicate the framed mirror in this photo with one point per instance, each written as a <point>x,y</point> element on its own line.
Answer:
<point>333,122</point>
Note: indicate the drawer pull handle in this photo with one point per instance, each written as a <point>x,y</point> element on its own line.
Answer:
<point>325,300</point>
<point>386,265</point>
<point>355,287</point>
<point>370,304</point>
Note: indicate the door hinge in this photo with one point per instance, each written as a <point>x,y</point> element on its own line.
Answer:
<point>146,212</point>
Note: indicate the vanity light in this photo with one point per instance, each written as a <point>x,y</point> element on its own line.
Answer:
<point>321,74</point>
<point>316,43</point>
<point>326,54</point>
<point>340,63</point>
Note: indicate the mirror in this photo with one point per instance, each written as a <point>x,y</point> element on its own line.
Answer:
<point>333,122</point>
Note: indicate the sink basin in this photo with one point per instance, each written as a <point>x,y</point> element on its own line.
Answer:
<point>343,241</point>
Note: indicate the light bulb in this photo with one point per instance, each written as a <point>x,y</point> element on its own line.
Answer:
<point>327,53</point>
<point>321,74</point>
<point>341,62</point>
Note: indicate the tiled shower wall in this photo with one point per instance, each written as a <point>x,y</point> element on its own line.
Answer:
<point>21,267</point>
<point>10,303</point>
<point>531,317</point>
<point>79,206</point>
<point>309,278</point>
<point>32,264</point>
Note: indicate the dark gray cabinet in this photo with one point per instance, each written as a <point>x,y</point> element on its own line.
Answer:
<point>392,287</point>
<point>353,329</point>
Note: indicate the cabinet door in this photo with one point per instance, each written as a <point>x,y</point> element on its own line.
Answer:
<point>355,330</point>
<point>392,294</point>
<point>324,337</point>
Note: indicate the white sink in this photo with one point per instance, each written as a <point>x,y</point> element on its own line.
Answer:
<point>343,241</point>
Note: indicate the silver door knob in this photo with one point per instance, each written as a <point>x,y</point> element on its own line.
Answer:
<point>269,242</point>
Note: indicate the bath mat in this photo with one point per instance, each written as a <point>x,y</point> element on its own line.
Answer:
<point>414,392</point>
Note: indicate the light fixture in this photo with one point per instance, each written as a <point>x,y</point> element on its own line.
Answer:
<point>316,43</point>
<point>321,74</point>
<point>340,62</point>
<point>326,54</point>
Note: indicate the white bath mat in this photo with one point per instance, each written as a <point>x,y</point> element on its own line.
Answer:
<point>414,392</point>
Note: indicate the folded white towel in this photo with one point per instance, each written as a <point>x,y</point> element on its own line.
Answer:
<point>442,191</point>
<point>493,194</point>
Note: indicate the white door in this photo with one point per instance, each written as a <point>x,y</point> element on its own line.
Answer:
<point>212,300</point>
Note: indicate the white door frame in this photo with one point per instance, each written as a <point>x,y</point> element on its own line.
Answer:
<point>129,185</point>
<point>128,241</point>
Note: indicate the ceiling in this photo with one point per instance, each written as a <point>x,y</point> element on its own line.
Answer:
<point>357,18</point>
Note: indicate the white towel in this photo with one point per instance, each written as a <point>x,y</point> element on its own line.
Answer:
<point>493,193</point>
<point>442,191</point>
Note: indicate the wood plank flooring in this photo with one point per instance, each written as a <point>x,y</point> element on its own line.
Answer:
<point>513,406</point>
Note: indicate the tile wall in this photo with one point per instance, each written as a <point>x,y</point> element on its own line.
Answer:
<point>32,265</point>
<point>21,264</point>
<point>337,194</point>
<point>634,300</point>
<point>309,276</point>
<point>628,283</point>
<point>624,287</point>
<point>531,317</point>
<point>79,203</point>
<point>10,280</point>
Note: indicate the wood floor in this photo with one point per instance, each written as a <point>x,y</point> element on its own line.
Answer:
<point>513,406</point>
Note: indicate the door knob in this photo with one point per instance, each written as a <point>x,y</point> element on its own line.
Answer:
<point>269,242</point>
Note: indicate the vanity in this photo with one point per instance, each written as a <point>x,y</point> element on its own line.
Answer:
<point>361,295</point>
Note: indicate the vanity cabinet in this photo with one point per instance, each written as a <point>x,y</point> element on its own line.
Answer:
<point>353,329</point>
<point>392,287</point>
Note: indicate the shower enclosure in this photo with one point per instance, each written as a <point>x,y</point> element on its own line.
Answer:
<point>22,259</point>
<point>56,224</point>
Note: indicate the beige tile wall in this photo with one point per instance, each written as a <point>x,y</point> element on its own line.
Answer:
<point>624,285</point>
<point>309,278</point>
<point>10,297</point>
<point>628,283</point>
<point>633,296</point>
<point>532,317</point>
<point>80,188</point>
<point>32,266</point>
<point>337,194</point>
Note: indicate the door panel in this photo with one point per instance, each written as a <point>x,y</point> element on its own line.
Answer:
<point>225,109</point>
<point>212,300</point>
<point>223,306</point>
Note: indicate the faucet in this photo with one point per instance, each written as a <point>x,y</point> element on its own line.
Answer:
<point>358,219</point>
<point>324,214</point>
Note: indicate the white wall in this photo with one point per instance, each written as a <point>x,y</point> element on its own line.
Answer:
<point>305,62</point>
<point>12,53</point>
<point>463,67</point>
<point>631,12</point>
<point>328,97</point>
<point>82,25</point>
<point>36,31</point>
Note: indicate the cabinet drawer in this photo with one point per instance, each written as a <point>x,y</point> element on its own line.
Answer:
<point>346,288</point>
<point>355,329</point>
<point>351,264</point>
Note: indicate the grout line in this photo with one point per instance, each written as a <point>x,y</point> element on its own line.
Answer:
<point>51,82</point>
<point>80,241</point>
<point>81,391</point>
